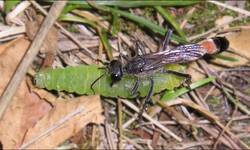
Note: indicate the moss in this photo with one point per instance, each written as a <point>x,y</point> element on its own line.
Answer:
<point>206,14</point>
<point>214,101</point>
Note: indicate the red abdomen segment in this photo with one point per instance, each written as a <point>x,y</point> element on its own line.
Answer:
<point>215,45</point>
<point>181,54</point>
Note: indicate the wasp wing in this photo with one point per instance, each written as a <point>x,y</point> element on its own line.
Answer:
<point>180,54</point>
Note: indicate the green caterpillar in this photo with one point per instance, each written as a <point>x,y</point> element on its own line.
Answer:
<point>79,79</point>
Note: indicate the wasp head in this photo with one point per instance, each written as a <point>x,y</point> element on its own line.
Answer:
<point>115,70</point>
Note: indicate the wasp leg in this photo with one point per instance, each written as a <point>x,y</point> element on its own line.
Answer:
<point>167,40</point>
<point>187,77</point>
<point>125,57</point>
<point>147,99</point>
<point>93,83</point>
<point>140,48</point>
<point>135,87</point>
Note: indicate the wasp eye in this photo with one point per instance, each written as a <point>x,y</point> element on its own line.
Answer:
<point>116,77</point>
<point>115,70</point>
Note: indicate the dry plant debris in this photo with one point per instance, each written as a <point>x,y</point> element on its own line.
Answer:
<point>214,116</point>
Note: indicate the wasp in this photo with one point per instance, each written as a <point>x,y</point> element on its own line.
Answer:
<point>145,65</point>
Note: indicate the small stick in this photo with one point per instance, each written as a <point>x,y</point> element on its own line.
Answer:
<point>67,33</point>
<point>155,122</point>
<point>214,29</point>
<point>129,140</point>
<point>12,31</point>
<point>18,76</point>
<point>236,9</point>
<point>189,14</point>
<point>53,127</point>
<point>120,129</point>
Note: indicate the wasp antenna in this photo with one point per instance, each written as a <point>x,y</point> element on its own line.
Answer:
<point>105,63</point>
<point>221,43</point>
<point>93,83</point>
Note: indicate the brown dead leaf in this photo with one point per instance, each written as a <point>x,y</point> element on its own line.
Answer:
<point>63,121</point>
<point>196,72</point>
<point>224,20</point>
<point>50,44</point>
<point>196,107</point>
<point>240,41</point>
<point>44,94</point>
<point>26,108</point>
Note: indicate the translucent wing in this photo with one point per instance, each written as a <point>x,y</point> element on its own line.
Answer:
<point>181,54</point>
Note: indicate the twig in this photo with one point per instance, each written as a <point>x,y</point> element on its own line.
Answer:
<point>223,131</point>
<point>198,100</point>
<point>239,54</point>
<point>67,33</point>
<point>18,9</point>
<point>197,123</point>
<point>16,79</point>
<point>226,140</point>
<point>130,121</point>
<point>189,14</point>
<point>120,123</point>
<point>53,127</point>
<point>12,31</point>
<point>156,133</point>
<point>193,144</point>
<point>236,9</point>
<point>236,69</point>
<point>221,85</point>
<point>210,91</point>
<point>11,38</point>
<point>214,29</point>
<point>127,139</point>
<point>108,131</point>
<point>239,105</point>
<point>94,136</point>
<point>133,117</point>
<point>242,107</point>
<point>156,123</point>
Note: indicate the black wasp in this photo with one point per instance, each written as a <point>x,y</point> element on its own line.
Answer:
<point>145,65</point>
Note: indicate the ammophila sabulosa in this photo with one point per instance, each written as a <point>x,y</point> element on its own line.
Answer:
<point>145,65</point>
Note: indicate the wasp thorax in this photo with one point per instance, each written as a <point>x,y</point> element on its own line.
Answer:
<point>115,70</point>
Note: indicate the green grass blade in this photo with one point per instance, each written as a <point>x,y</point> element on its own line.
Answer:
<point>9,4</point>
<point>137,19</point>
<point>171,20</point>
<point>140,21</point>
<point>73,18</point>
<point>226,58</point>
<point>102,32</point>
<point>138,3</point>
<point>115,24</point>
<point>169,95</point>
<point>104,38</point>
